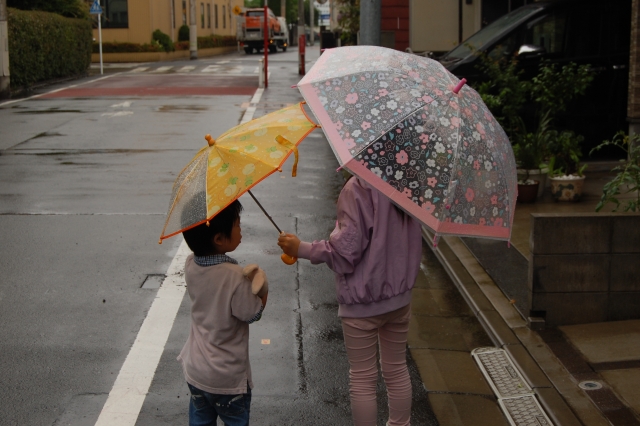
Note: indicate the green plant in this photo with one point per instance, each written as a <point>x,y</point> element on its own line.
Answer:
<point>163,39</point>
<point>565,153</point>
<point>627,179</point>
<point>349,20</point>
<point>504,92</point>
<point>66,8</point>
<point>45,46</point>
<point>183,33</point>
<point>529,148</point>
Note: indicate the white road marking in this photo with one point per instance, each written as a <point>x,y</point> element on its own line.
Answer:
<point>188,68</point>
<point>130,389</point>
<point>223,62</point>
<point>248,114</point>
<point>117,114</point>
<point>132,384</point>
<point>58,90</point>
<point>210,68</point>
<point>162,69</point>
<point>125,104</point>
<point>140,69</point>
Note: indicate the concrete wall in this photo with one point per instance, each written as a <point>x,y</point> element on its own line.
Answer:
<point>434,24</point>
<point>584,267</point>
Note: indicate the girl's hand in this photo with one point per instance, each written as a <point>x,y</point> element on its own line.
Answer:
<point>289,244</point>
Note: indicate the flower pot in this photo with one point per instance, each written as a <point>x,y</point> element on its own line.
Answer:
<point>567,188</point>
<point>535,174</point>
<point>527,193</point>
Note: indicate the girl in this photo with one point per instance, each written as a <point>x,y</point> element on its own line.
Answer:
<point>375,251</point>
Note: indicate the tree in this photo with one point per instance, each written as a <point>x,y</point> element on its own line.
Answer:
<point>68,8</point>
<point>349,20</point>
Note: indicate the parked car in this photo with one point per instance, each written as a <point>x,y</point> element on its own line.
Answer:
<point>594,32</point>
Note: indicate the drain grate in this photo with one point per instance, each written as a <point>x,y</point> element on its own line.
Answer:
<point>524,410</point>
<point>515,396</point>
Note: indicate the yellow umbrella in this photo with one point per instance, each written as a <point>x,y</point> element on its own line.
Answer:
<point>232,164</point>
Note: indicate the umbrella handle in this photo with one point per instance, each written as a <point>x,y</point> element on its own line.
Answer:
<point>289,260</point>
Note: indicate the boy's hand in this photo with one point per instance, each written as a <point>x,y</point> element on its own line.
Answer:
<point>289,244</point>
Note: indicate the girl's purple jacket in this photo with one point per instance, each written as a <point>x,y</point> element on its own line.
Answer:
<point>374,250</point>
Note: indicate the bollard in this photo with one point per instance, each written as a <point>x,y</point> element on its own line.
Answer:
<point>261,73</point>
<point>301,46</point>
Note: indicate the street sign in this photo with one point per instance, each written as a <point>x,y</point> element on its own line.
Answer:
<point>95,9</point>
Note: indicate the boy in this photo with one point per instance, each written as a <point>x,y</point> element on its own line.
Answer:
<point>215,359</point>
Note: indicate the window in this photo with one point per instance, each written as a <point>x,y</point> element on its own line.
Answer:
<point>184,12</point>
<point>208,15</point>
<point>224,18</point>
<point>215,14</point>
<point>201,15</point>
<point>115,14</point>
<point>548,32</point>
<point>173,14</point>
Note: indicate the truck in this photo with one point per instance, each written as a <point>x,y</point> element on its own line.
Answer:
<point>250,30</point>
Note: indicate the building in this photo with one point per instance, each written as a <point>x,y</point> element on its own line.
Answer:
<point>134,21</point>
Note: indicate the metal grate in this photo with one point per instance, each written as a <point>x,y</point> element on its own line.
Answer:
<point>524,411</point>
<point>515,396</point>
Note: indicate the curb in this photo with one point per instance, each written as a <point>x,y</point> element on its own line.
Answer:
<point>558,394</point>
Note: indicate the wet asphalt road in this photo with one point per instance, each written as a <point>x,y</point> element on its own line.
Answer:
<point>85,180</point>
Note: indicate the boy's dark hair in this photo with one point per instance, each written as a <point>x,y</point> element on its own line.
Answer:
<point>200,238</point>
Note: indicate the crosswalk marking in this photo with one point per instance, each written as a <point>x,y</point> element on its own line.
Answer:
<point>140,69</point>
<point>188,68</point>
<point>211,68</point>
<point>163,69</point>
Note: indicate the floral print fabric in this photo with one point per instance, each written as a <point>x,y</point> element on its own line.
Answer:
<point>396,115</point>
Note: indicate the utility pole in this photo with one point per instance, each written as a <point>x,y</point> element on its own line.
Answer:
<point>4,51</point>
<point>311,11</point>
<point>193,31</point>
<point>283,10</point>
<point>370,21</point>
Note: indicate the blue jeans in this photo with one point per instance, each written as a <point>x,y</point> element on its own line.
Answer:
<point>205,407</point>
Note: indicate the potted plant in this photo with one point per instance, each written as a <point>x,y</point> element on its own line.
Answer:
<point>627,181</point>
<point>565,172</point>
<point>529,150</point>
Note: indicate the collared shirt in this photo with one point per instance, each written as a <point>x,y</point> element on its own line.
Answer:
<point>213,259</point>
<point>216,259</point>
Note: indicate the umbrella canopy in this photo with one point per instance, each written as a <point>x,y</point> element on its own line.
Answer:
<point>415,132</point>
<point>232,164</point>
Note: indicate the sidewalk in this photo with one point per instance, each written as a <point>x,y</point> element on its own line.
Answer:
<point>604,358</point>
<point>454,315</point>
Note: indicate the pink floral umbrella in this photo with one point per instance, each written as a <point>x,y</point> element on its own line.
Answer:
<point>415,132</point>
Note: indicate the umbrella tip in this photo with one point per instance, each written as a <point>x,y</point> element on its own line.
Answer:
<point>294,86</point>
<point>209,139</point>
<point>459,86</point>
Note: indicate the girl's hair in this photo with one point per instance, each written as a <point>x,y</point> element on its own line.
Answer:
<point>200,238</point>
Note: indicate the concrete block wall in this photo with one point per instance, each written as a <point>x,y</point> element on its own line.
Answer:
<point>584,267</point>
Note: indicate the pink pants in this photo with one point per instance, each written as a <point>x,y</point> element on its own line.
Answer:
<point>361,338</point>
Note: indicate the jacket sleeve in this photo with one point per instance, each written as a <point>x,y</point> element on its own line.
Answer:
<point>245,305</point>
<point>347,243</point>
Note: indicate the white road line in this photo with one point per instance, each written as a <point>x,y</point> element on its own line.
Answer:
<point>130,389</point>
<point>223,62</point>
<point>210,68</point>
<point>188,68</point>
<point>58,90</point>
<point>140,69</point>
<point>132,384</point>
<point>248,114</point>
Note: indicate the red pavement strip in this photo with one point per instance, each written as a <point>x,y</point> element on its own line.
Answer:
<point>149,91</point>
<point>161,85</point>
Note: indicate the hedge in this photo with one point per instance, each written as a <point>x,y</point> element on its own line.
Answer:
<point>203,43</point>
<point>45,46</point>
